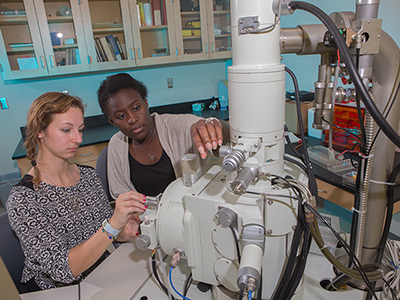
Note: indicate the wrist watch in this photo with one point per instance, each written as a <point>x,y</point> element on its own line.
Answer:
<point>111,230</point>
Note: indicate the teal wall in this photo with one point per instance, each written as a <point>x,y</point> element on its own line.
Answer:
<point>305,68</point>
<point>191,81</point>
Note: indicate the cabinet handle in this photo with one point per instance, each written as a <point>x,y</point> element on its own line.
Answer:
<point>212,47</point>
<point>42,61</point>
<point>177,51</point>
<point>140,55</point>
<point>87,154</point>
<point>137,54</point>
<point>206,48</point>
<point>52,61</point>
<point>89,59</point>
<point>131,52</point>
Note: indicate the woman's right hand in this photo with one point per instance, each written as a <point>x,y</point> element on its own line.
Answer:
<point>125,205</point>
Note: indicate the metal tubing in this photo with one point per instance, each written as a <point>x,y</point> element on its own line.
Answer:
<point>386,67</point>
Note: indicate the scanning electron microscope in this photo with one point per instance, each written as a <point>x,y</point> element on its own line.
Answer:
<point>245,226</point>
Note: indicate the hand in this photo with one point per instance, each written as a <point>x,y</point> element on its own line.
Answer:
<point>207,134</point>
<point>125,206</point>
<point>131,229</point>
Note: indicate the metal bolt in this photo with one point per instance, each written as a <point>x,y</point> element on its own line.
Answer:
<point>270,202</point>
<point>294,227</point>
<point>269,231</point>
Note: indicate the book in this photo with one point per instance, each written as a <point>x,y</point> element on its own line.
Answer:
<point>141,14</point>
<point>77,57</point>
<point>138,12</point>
<point>107,49</point>
<point>101,50</point>
<point>148,18</point>
<point>163,12</point>
<point>114,47</point>
<point>97,52</point>
<point>157,17</point>
<point>121,51</point>
<point>27,63</point>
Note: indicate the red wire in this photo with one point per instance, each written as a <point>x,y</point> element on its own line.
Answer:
<point>338,57</point>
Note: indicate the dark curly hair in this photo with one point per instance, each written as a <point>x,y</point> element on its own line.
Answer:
<point>115,83</point>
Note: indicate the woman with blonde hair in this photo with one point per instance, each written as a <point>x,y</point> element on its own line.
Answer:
<point>59,210</point>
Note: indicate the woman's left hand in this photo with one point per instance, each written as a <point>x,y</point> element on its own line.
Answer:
<point>207,134</point>
<point>131,229</point>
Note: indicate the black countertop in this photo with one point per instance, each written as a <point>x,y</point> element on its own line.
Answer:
<point>99,130</point>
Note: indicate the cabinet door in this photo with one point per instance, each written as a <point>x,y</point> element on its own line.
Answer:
<point>192,34</point>
<point>107,25</point>
<point>219,29</point>
<point>62,36</point>
<point>153,31</point>
<point>22,54</point>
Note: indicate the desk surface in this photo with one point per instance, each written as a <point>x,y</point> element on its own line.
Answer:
<point>126,275</point>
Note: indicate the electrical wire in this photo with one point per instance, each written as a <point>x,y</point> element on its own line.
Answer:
<point>391,261</point>
<point>357,81</point>
<point>272,25</point>
<point>236,242</point>
<point>172,285</point>
<point>154,269</point>
<point>250,292</point>
<point>188,282</point>
<point>344,129</point>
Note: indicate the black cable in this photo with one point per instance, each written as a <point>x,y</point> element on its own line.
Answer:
<point>241,291</point>
<point>312,182</point>
<point>391,289</point>
<point>387,113</point>
<point>154,269</point>
<point>236,242</point>
<point>357,81</point>
<point>358,106</point>
<point>188,282</point>
<point>344,129</point>
<point>349,251</point>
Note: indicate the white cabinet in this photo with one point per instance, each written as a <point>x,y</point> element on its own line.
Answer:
<point>54,37</point>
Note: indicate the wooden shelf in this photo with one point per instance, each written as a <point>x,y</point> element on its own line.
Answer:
<point>20,49</point>
<point>221,12</point>
<point>13,20</point>
<point>153,28</point>
<point>190,13</point>
<point>222,35</point>
<point>192,37</point>
<point>59,19</point>
<point>61,47</point>
<point>108,30</point>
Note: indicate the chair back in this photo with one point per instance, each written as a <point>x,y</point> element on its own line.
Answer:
<point>101,170</point>
<point>11,253</point>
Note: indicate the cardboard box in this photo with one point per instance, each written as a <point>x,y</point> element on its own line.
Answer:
<point>291,115</point>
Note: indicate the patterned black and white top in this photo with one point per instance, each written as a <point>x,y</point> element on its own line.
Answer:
<point>48,224</point>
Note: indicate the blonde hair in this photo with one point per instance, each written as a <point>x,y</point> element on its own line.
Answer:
<point>40,115</point>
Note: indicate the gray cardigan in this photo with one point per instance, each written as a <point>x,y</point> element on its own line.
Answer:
<point>175,139</point>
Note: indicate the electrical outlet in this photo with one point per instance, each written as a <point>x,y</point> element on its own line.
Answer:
<point>3,103</point>
<point>169,83</point>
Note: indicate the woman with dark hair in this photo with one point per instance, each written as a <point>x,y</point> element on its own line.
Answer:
<point>59,210</point>
<point>144,156</point>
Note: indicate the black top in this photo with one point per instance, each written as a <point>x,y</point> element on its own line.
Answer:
<point>150,180</point>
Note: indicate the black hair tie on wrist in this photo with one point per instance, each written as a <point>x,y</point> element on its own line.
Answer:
<point>33,163</point>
